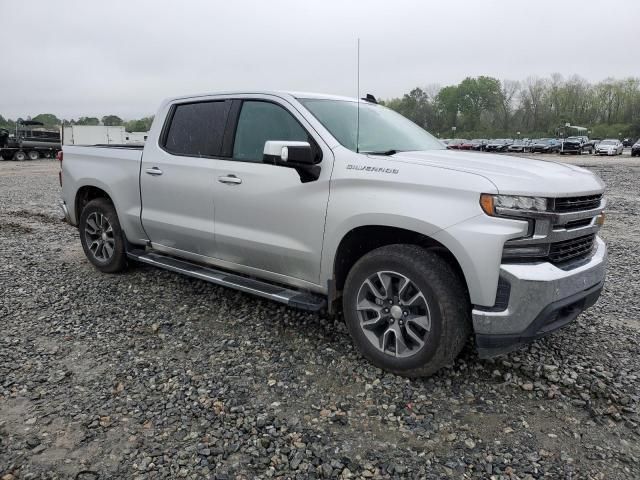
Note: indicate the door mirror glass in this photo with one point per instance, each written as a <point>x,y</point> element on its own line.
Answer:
<point>288,153</point>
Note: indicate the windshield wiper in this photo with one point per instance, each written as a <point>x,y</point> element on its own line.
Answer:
<point>386,153</point>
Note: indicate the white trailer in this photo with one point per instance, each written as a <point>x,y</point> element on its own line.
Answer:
<point>93,135</point>
<point>135,137</point>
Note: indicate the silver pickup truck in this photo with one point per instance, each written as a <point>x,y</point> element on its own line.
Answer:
<point>332,203</point>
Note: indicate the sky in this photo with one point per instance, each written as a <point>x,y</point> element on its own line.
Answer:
<point>122,57</point>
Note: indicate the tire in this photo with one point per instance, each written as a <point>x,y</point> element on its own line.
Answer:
<point>92,219</point>
<point>33,155</point>
<point>444,301</point>
<point>19,156</point>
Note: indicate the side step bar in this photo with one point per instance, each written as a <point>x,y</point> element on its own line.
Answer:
<point>292,298</point>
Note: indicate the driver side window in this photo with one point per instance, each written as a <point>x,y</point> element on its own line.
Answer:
<point>262,121</point>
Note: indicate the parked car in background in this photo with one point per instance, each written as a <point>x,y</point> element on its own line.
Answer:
<point>521,146</point>
<point>479,144</point>
<point>576,145</point>
<point>635,149</point>
<point>455,143</point>
<point>545,145</point>
<point>610,146</point>
<point>627,142</point>
<point>498,145</point>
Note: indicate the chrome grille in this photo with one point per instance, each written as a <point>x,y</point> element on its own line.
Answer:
<point>571,249</point>
<point>576,204</point>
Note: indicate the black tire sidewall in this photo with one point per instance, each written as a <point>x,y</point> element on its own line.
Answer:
<point>119,259</point>
<point>361,271</point>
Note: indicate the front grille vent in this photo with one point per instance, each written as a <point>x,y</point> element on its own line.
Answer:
<point>578,223</point>
<point>575,248</point>
<point>576,204</point>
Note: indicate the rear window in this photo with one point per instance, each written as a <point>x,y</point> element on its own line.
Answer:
<point>196,129</point>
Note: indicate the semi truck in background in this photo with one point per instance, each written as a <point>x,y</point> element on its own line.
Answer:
<point>30,140</point>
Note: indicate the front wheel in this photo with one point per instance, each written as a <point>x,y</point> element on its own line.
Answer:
<point>101,236</point>
<point>406,309</point>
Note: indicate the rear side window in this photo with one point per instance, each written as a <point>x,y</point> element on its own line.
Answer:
<point>197,129</point>
<point>262,121</point>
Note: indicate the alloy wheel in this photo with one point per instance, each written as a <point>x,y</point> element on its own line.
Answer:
<point>99,237</point>
<point>394,314</point>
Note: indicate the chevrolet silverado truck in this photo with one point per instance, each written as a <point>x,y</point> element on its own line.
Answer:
<point>333,204</point>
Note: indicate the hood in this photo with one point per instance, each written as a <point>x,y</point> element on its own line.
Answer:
<point>512,175</point>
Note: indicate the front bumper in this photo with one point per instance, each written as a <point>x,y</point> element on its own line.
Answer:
<point>542,298</point>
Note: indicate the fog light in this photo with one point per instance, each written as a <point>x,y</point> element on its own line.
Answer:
<point>600,219</point>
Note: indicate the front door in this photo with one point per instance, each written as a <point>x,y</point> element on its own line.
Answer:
<point>265,217</point>
<point>178,178</point>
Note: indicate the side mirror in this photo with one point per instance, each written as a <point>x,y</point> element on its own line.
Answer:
<point>288,154</point>
<point>298,155</point>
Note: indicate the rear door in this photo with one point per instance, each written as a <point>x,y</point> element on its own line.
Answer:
<point>177,178</point>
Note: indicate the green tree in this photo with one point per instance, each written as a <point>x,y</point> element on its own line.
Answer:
<point>88,121</point>
<point>478,95</point>
<point>448,106</point>
<point>49,119</point>
<point>112,121</point>
<point>141,125</point>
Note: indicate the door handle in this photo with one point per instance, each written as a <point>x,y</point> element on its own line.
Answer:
<point>230,180</point>
<point>153,171</point>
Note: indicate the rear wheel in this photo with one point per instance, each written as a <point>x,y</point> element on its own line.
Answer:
<point>406,310</point>
<point>20,156</point>
<point>101,236</point>
<point>33,155</point>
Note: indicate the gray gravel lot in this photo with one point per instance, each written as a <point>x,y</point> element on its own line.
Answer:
<point>153,375</point>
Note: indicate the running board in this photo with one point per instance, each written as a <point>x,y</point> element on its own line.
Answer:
<point>292,298</point>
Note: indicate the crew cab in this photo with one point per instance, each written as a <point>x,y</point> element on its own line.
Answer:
<point>335,204</point>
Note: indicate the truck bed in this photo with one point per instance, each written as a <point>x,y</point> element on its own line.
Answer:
<point>112,168</point>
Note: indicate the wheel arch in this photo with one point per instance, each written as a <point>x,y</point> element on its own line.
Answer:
<point>85,194</point>
<point>361,240</point>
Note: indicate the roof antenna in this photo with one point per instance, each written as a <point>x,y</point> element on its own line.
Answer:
<point>358,97</point>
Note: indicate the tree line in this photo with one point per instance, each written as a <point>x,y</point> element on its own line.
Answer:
<point>50,120</point>
<point>485,107</point>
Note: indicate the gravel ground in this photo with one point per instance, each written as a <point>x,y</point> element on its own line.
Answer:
<point>150,374</point>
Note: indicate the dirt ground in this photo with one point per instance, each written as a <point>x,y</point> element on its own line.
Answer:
<point>149,374</point>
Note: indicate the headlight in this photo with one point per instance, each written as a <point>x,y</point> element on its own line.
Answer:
<point>491,204</point>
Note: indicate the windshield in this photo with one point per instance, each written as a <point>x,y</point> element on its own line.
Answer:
<point>381,129</point>
<point>608,142</point>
